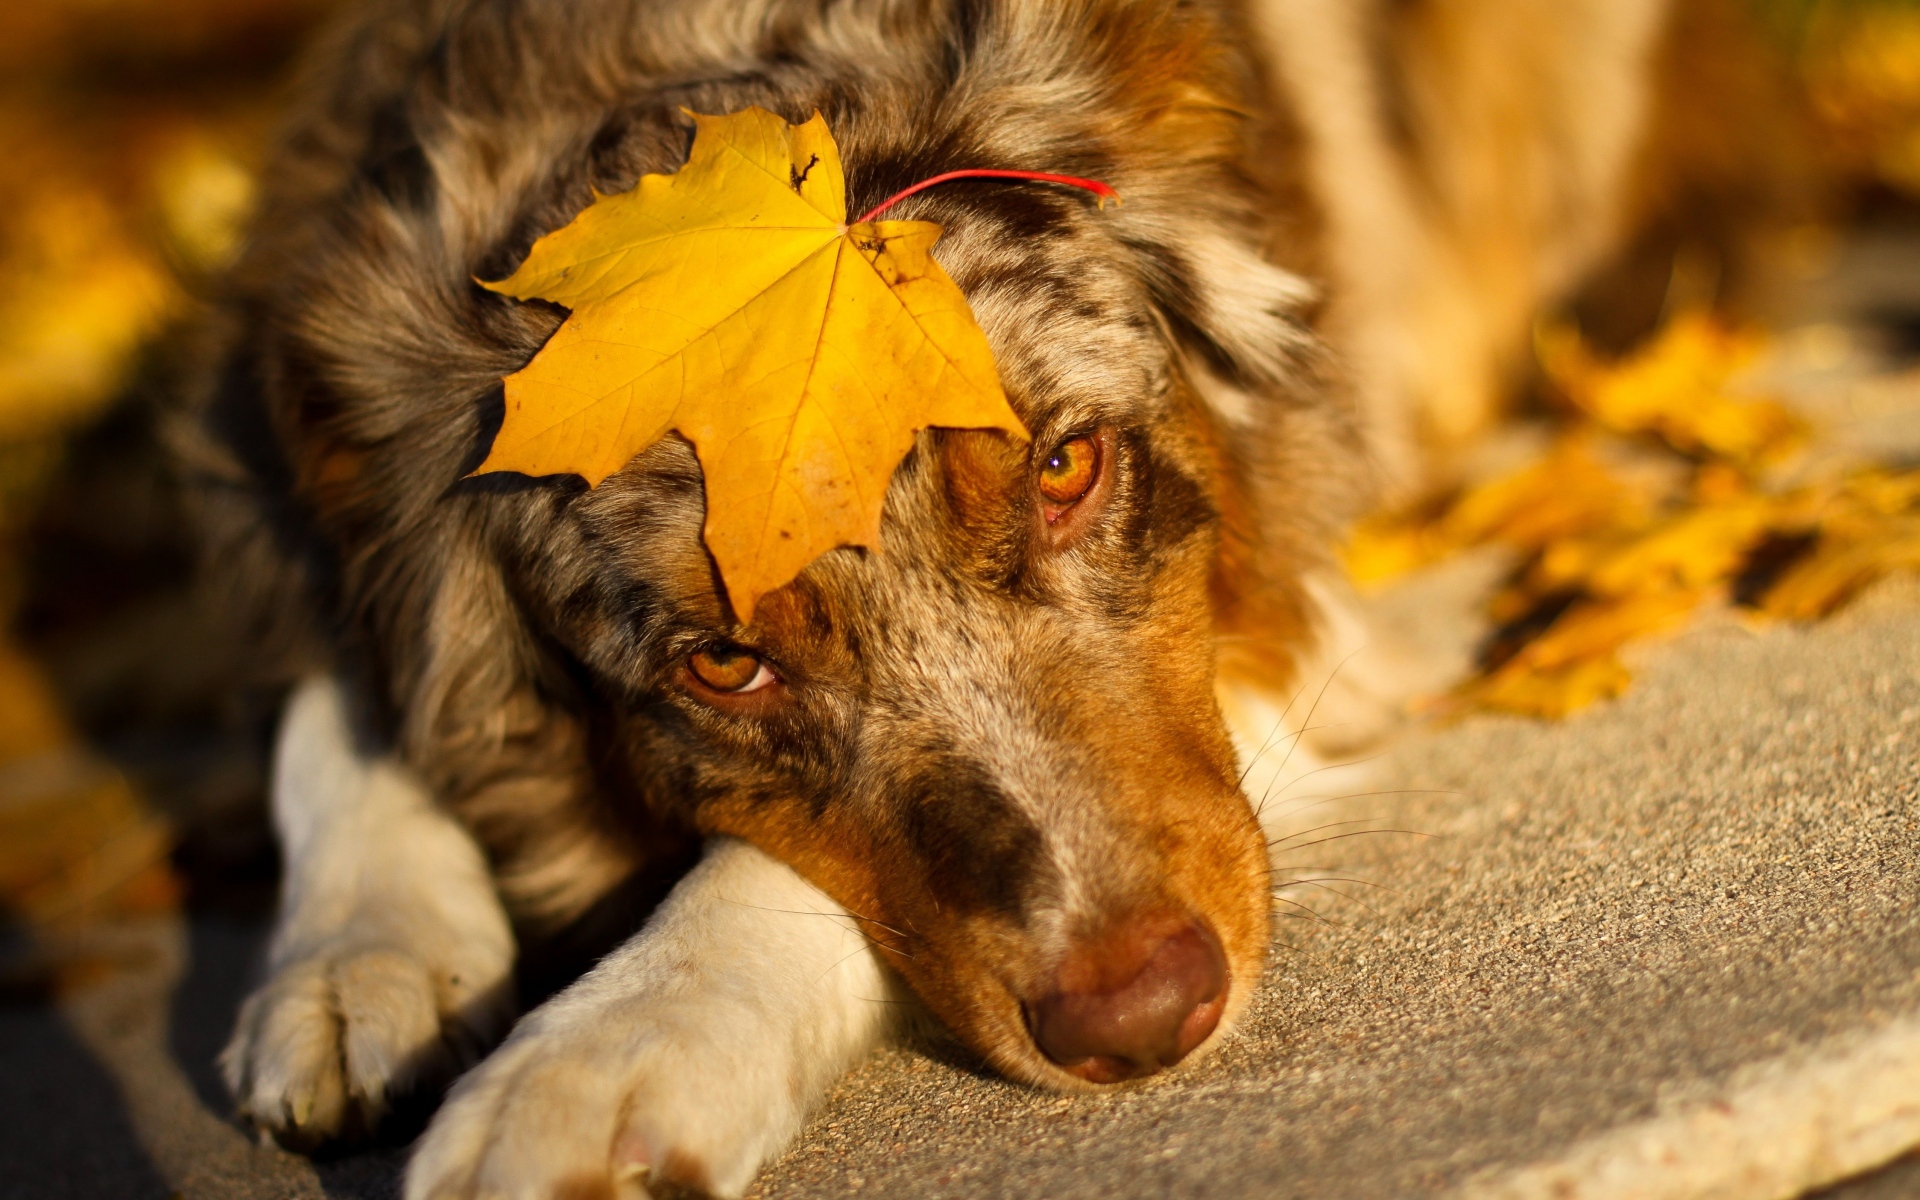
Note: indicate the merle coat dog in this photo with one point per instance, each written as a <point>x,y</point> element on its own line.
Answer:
<point>982,772</point>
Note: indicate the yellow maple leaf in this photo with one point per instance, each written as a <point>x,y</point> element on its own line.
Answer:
<point>732,302</point>
<point>1566,494</point>
<point>1597,628</point>
<point>1676,387</point>
<point>1529,691</point>
<point>1615,549</point>
<point>1866,527</point>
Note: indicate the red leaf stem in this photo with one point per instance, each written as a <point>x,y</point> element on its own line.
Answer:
<point>1099,189</point>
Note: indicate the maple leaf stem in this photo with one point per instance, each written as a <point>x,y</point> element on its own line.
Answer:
<point>1099,189</point>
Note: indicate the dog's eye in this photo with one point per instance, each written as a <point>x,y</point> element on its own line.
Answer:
<point>730,669</point>
<point>1068,473</point>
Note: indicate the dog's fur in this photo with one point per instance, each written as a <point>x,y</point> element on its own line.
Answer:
<point>996,737</point>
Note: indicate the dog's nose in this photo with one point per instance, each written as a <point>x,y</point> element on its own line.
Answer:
<point>1132,1002</point>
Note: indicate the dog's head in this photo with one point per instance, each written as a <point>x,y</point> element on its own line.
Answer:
<point>995,739</point>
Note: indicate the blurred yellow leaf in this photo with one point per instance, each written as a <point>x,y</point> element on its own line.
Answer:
<point>1695,549</point>
<point>1385,547</point>
<point>204,196</point>
<point>1676,388</point>
<point>1841,567</point>
<point>1861,62</point>
<point>1867,528</point>
<point>76,842</point>
<point>1549,694</point>
<point>1597,628</point>
<point>1610,557</point>
<point>84,297</point>
<point>1575,663</point>
<point>1568,493</point>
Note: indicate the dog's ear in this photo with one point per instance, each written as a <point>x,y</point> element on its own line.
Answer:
<point>1249,309</point>
<point>1182,130</point>
<point>1246,313</point>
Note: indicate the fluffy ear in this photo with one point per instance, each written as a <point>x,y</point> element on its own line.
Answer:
<point>1248,310</point>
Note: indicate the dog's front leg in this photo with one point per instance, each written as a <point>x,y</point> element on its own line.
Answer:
<point>689,1055</point>
<point>392,959</point>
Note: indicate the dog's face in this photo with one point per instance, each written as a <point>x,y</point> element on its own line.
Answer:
<point>994,739</point>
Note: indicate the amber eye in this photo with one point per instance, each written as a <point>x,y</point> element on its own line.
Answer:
<point>730,669</point>
<point>1068,473</point>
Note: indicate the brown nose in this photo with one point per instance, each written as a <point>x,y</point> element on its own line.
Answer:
<point>1133,1002</point>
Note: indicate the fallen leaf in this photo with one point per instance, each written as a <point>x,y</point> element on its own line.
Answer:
<point>1624,540</point>
<point>1568,493</point>
<point>1598,628</point>
<point>1676,387</point>
<point>1861,63</point>
<point>732,303</point>
<point>77,843</point>
<point>88,297</point>
<point>1866,528</point>
<point>1696,549</point>
<point>1840,568</point>
<point>1523,689</point>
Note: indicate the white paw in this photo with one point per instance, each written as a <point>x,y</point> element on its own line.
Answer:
<point>392,960</point>
<point>689,1056</point>
<point>322,1048</point>
<point>604,1107</point>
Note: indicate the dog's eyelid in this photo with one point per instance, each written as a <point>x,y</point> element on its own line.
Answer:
<point>718,667</point>
<point>763,677</point>
<point>1072,481</point>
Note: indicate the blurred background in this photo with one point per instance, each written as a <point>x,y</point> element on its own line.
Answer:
<point>131,768</point>
<point>129,131</point>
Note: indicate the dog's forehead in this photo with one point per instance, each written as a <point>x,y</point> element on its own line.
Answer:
<point>1073,333</point>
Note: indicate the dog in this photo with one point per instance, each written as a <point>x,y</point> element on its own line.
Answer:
<point>984,772</point>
